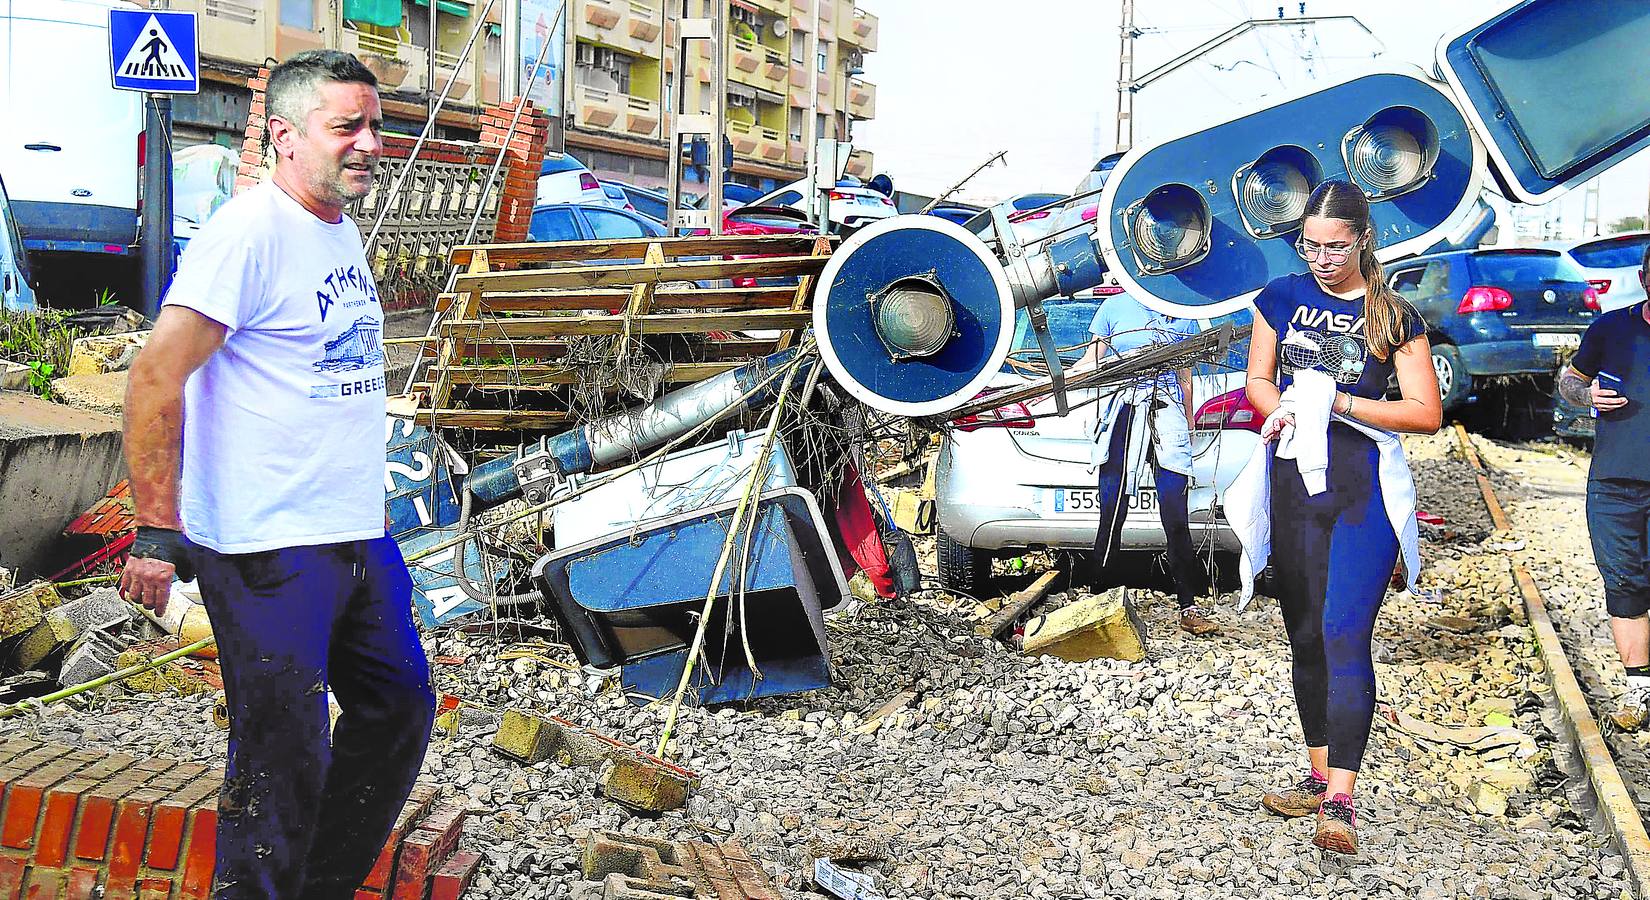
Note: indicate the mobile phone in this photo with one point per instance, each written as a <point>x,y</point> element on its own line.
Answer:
<point>1608,382</point>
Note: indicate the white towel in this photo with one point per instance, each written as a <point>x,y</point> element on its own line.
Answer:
<point>1248,502</point>
<point>1311,399</point>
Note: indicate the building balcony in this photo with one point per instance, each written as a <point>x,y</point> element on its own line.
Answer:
<point>230,29</point>
<point>603,14</point>
<point>771,145</point>
<point>862,31</point>
<point>596,108</point>
<point>645,21</point>
<point>393,59</point>
<point>773,6</point>
<point>861,164</point>
<point>802,15</point>
<point>641,117</point>
<point>775,65</point>
<point>745,55</point>
<point>862,99</point>
<point>744,136</point>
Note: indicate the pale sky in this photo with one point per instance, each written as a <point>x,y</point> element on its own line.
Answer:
<point>958,80</point>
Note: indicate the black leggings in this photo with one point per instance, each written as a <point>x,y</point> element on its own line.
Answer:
<point>1333,556</point>
<point>1172,490</point>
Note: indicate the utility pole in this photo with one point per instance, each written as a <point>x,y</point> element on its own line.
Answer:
<point>429,98</point>
<point>812,123</point>
<point>1125,79</point>
<point>1590,210</point>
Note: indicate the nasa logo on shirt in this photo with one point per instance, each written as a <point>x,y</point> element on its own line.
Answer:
<point>1328,342</point>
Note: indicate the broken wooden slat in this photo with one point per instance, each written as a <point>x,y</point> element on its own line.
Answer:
<point>884,711</point>
<point>629,274</point>
<point>660,323</point>
<point>614,298</point>
<point>535,374</point>
<point>572,251</point>
<point>528,349</point>
<point>493,419</point>
<point>1018,605</point>
<point>452,351</point>
<point>804,288</point>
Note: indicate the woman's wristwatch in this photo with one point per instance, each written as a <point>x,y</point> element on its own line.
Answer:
<point>1347,409</point>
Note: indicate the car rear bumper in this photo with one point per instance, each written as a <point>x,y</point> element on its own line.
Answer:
<point>1518,356</point>
<point>76,227</point>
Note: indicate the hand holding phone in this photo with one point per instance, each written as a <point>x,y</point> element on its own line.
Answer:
<point>1606,391</point>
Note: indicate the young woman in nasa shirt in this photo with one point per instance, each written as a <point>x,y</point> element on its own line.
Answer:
<point>1334,551</point>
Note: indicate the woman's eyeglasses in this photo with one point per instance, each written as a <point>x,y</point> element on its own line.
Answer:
<point>1334,254</point>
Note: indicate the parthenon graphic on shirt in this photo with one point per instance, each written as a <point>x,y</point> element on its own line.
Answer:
<point>357,348</point>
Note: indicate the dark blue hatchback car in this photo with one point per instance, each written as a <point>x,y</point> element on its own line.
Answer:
<point>1496,312</point>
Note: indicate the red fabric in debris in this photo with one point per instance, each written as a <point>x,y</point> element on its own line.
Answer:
<point>859,533</point>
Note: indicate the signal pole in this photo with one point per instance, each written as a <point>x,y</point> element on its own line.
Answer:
<point>1125,78</point>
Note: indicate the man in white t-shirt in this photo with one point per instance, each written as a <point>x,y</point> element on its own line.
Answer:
<point>255,442</point>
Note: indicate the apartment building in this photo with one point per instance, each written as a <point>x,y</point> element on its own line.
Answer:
<point>623,64</point>
<point>390,36</point>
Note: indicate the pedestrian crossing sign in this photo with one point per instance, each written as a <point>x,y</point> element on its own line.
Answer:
<point>154,50</point>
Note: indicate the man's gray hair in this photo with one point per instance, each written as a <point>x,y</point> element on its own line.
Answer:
<point>294,86</point>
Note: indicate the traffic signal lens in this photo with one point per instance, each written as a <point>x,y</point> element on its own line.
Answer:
<point>1272,191</point>
<point>1170,228</point>
<point>1392,153</point>
<point>914,318</point>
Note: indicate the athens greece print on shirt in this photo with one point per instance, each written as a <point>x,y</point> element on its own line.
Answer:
<point>358,346</point>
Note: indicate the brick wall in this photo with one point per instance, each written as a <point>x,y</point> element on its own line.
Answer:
<point>525,155</point>
<point>76,821</point>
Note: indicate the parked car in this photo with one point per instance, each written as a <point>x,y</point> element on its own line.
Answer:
<point>1611,265</point>
<point>763,220</point>
<point>1026,215</point>
<point>1021,477</point>
<point>951,213</point>
<point>74,147</point>
<point>648,202</point>
<point>616,196</point>
<point>853,206</point>
<point>1496,312</point>
<point>589,222</point>
<point>1574,422</point>
<point>16,284</point>
<point>734,195</point>
<point>563,179</point>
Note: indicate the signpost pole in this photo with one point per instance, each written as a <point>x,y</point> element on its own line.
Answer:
<point>155,240</point>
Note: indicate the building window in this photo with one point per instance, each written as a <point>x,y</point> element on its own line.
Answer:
<point>796,123</point>
<point>799,48</point>
<point>298,14</point>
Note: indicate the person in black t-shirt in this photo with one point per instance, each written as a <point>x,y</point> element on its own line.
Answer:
<point>1611,373</point>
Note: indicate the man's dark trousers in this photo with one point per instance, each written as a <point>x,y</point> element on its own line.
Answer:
<point>302,816</point>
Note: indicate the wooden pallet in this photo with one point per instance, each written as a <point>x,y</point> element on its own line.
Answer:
<point>498,354</point>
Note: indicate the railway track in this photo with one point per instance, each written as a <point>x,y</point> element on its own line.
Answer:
<point>1617,809</point>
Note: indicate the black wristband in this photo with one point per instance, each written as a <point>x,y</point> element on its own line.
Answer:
<point>166,545</point>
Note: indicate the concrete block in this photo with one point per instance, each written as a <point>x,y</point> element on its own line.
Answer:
<point>57,462</point>
<point>14,376</point>
<point>645,782</point>
<point>21,610</point>
<point>525,738</point>
<point>102,353</point>
<point>1487,798</point>
<point>1102,626</point>
<point>92,656</point>
<point>633,867</point>
<point>98,611</point>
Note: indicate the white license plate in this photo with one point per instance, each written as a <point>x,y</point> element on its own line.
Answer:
<point>1556,339</point>
<point>1086,501</point>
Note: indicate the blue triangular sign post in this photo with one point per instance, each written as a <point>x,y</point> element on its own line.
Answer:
<point>154,50</point>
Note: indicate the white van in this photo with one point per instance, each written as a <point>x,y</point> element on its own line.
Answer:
<point>16,291</point>
<point>70,144</point>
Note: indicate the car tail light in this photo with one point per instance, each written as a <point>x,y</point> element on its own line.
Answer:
<point>143,148</point>
<point>587,182</point>
<point>1229,410</point>
<point>1014,415</point>
<point>838,195</point>
<point>1590,296</point>
<point>1029,216</point>
<point>1089,212</point>
<point>1602,285</point>
<point>1484,299</point>
<point>1108,290</point>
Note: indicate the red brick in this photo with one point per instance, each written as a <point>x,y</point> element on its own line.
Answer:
<point>155,889</point>
<point>97,813</point>
<point>24,796</point>
<point>364,894</point>
<point>82,884</point>
<point>453,879</point>
<point>131,834</point>
<point>413,863</point>
<point>61,802</point>
<point>11,877</point>
<point>46,884</point>
<point>201,857</point>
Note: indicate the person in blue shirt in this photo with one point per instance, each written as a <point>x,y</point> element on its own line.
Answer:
<point>1611,373</point>
<point>1334,550</point>
<point>1162,405</point>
